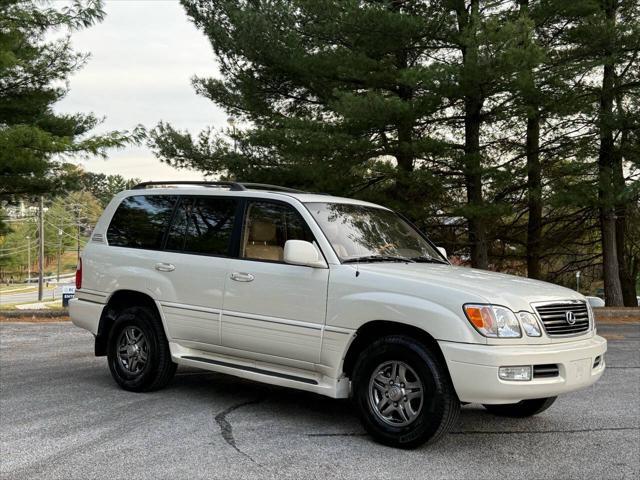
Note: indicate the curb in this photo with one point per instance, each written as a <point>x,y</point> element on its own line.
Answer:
<point>603,313</point>
<point>34,313</point>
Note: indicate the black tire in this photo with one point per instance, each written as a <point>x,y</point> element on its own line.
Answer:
<point>158,369</point>
<point>440,405</point>
<point>525,408</point>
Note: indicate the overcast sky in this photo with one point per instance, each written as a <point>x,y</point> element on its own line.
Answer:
<point>143,56</point>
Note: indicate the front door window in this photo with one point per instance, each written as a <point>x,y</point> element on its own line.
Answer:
<point>267,227</point>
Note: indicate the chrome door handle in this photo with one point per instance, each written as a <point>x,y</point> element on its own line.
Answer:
<point>242,277</point>
<point>165,267</point>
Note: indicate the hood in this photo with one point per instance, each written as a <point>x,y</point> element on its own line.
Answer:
<point>474,284</point>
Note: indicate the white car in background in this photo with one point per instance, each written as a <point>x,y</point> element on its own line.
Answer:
<point>330,295</point>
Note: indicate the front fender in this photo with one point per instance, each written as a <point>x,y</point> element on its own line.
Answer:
<point>354,310</point>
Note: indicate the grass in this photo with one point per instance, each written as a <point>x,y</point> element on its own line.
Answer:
<point>50,304</point>
<point>16,289</point>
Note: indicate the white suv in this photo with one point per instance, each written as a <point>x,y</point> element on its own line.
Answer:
<point>331,295</point>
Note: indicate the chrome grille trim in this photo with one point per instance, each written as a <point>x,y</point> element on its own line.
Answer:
<point>552,315</point>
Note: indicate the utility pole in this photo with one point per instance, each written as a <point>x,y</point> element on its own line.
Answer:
<point>28,258</point>
<point>78,232</point>
<point>41,249</point>
<point>232,122</point>
<point>59,254</point>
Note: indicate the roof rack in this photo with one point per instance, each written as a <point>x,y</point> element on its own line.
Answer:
<point>266,186</point>
<point>233,186</point>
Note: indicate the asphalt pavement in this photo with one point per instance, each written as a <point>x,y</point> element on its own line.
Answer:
<point>62,417</point>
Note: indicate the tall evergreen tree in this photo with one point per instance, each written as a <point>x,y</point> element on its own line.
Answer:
<point>607,43</point>
<point>480,109</point>
<point>471,82</point>
<point>338,95</point>
<point>33,72</point>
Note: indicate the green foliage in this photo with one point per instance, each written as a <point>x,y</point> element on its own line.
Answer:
<point>103,187</point>
<point>382,100</point>
<point>67,221</point>
<point>34,70</point>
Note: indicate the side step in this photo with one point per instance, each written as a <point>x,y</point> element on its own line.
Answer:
<point>247,368</point>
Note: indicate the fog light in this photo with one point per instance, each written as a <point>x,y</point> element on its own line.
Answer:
<point>519,373</point>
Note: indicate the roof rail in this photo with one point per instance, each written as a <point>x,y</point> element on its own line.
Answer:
<point>266,186</point>
<point>232,185</point>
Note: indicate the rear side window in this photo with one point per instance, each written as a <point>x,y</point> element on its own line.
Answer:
<point>141,221</point>
<point>203,225</point>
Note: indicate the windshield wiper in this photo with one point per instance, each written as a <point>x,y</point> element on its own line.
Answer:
<point>428,260</point>
<point>379,258</point>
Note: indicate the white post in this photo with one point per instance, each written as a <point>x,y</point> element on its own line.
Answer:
<point>41,250</point>
<point>28,258</point>
<point>578,281</point>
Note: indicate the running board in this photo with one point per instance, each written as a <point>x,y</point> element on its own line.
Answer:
<point>247,368</point>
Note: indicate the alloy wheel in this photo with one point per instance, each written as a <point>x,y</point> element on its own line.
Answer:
<point>396,393</point>
<point>133,350</point>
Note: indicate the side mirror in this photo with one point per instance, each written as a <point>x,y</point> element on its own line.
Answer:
<point>299,252</point>
<point>442,251</point>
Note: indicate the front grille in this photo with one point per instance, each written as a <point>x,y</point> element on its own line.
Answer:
<point>554,318</point>
<point>546,371</point>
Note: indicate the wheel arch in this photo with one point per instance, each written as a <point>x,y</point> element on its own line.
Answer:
<point>371,331</point>
<point>118,301</point>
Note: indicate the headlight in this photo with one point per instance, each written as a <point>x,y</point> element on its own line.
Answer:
<point>529,324</point>
<point>493,321</point>
<point>592,317</point>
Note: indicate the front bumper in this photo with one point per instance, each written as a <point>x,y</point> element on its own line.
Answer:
<point>474,369</point>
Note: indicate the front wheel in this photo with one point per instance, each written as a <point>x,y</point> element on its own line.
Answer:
<point>525,408</point>
<point>403,393</point>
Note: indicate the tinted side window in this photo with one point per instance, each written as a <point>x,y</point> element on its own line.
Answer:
<point>267,228</point>
<point>203,225</point>
<point>141,221</point>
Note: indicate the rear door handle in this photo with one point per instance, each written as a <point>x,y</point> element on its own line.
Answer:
<point>165,267</point>
<point>242,277</point>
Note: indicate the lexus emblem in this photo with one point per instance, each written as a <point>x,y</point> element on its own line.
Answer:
<point>570,317</point>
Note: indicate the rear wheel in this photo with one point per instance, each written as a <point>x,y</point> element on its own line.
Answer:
<point>525,408</point>
<point>138,351</point>
<point>403,394</point>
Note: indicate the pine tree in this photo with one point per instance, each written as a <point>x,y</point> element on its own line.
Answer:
<point>607,42</point>
<point>480,109</point>
<point>33,71</point>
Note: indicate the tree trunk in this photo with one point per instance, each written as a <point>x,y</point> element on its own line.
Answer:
<point>404,151</point>
<point>611,272</point>
<point>473,182</point>
<point>627,264</point>
<point>534,170</point>
<point>404,157</point>
<point>534,193</point>
<point>473,102</point>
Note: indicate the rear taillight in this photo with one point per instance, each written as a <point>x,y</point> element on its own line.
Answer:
<point>79,275</point>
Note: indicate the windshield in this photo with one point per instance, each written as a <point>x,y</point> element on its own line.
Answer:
<point>361,233</point>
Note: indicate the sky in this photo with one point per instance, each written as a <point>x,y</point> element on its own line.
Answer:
<point>143,56</point>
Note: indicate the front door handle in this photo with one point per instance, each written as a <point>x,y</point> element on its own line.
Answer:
<point>165,267</point>
<point>242,277</point>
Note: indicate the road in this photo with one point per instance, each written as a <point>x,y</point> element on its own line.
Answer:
<point>62,417</point>
<point>10,297</point>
